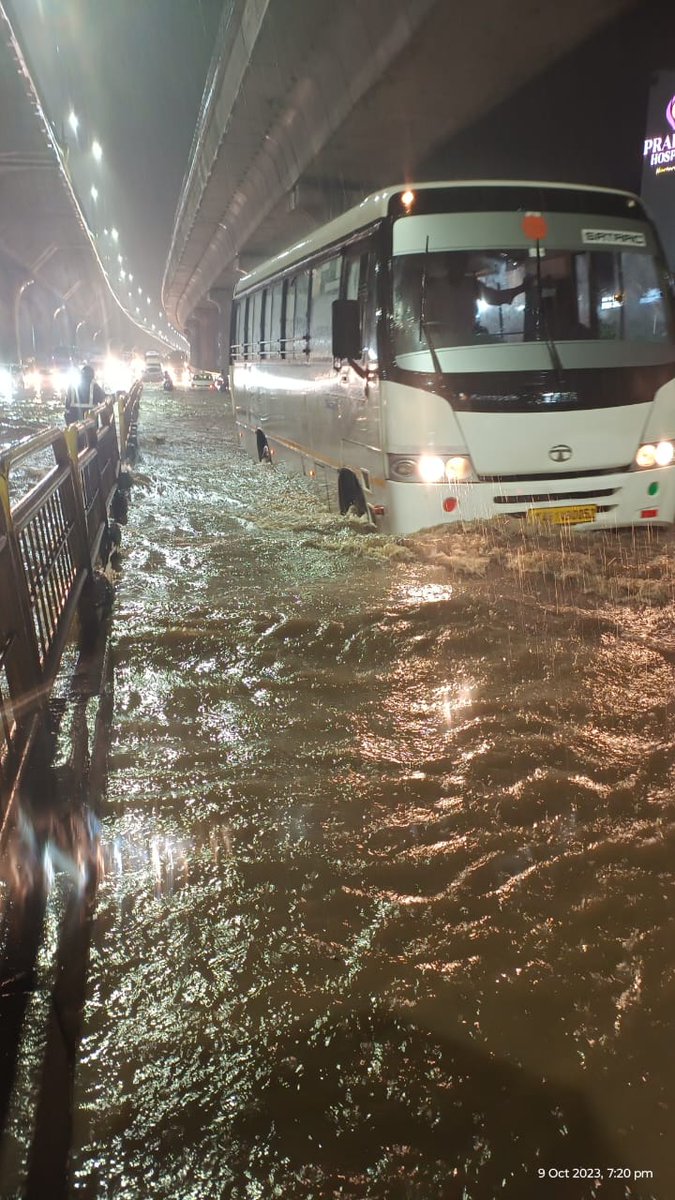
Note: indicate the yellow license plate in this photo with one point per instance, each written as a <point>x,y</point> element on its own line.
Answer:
<point>575,514</point>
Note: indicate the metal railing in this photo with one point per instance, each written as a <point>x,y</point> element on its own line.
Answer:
<point>52,539</point>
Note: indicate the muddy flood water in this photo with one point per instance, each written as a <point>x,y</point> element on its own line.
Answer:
<point>386,901</point>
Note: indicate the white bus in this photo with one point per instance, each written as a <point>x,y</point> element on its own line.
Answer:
<point>458,351</point>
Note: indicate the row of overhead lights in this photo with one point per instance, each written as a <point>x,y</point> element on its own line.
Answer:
<point>125,277</point>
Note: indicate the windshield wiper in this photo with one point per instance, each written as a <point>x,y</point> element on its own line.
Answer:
<point>542,324</point>
<point>424,328</point>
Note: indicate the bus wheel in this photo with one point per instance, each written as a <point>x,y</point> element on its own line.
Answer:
<point>264,452</point>
<point>350,494</point>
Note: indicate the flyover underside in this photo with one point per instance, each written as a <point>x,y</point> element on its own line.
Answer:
<point>340,102</point>
<point>48,258</point>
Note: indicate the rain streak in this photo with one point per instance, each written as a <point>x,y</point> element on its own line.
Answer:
<point>385,862</point>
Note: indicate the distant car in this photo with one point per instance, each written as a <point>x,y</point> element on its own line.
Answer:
<point>201,379</point>
<point>153,373</point>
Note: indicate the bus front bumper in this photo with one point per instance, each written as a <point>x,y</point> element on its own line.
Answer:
<point>583,503</point>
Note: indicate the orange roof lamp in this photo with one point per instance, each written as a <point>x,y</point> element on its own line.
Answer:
<point>535,226</point>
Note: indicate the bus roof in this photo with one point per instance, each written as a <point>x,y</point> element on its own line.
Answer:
<point>376,206</point>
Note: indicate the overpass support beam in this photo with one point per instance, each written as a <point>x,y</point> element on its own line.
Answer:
<point>192,335</point>
<point>202,331</point>
<point>222,298</point>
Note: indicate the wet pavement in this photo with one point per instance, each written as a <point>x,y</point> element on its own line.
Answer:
<point>380,901</point>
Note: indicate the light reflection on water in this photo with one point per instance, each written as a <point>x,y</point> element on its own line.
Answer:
<point>388,846</point>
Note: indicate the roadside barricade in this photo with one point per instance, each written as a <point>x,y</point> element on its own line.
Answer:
<point>53,539</point>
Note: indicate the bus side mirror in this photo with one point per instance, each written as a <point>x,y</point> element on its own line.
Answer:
<point>346,329</point>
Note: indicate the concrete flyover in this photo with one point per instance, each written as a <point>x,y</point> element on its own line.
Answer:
<point>53,288</point>
<point>310,105</point>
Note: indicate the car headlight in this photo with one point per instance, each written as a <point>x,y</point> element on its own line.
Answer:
<point>655,454</point>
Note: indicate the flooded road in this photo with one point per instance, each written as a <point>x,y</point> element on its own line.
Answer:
<point>386,907</point>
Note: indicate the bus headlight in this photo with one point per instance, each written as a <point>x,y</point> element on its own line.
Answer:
<point>655,454</point>
<point>457,468</point>
<point>431,468</point>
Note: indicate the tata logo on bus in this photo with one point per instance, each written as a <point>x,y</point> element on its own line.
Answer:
<point>661,150</point>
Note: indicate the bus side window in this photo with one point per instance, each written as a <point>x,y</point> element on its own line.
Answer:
<point>300,331</point>
<point>235,326</point>
<point>255,303</point>
<point>325,289</point>
<point>285,316</point>
<point>265,322</point>
<point>243,334</point>
<point>288,349</point>
<point>359,284</point>
<point>275,299</point>
<point>368,300</point>
<point>351,276</point>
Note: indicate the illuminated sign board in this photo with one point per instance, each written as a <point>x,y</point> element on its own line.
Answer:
<point>660,150</point>
<point>658,159</point>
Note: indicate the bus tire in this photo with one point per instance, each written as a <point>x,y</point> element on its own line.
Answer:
<point>350,494</point>
<point>264,452</point>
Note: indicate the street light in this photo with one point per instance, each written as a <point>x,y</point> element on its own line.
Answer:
<point>114,234</point>
<point>17,303</point>
<point>97,151</point>
<point>93,191</point>
<point>65,328</point>
<point>73,121</point>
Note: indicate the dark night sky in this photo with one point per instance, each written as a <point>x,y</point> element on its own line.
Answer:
<point>134,71</point>
<point>583,120</point>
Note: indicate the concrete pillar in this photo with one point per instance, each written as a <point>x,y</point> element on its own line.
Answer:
<point>222,298</point>
<point>207,317</point>
<point>191,333</point>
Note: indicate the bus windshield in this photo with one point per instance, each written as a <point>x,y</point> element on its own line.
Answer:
<point>469,298</point>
